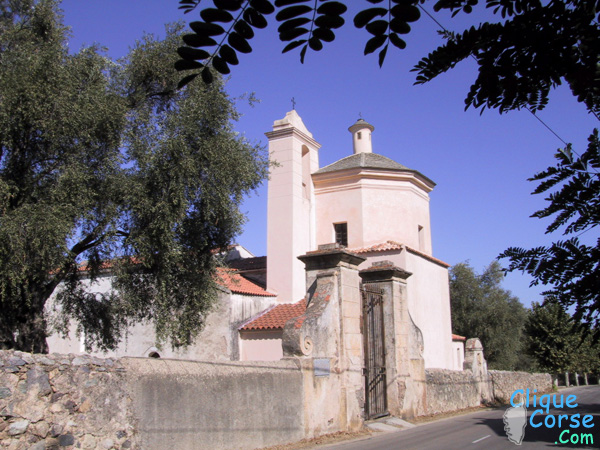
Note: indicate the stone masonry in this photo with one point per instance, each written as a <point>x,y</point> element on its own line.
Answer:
<point>63,402</point>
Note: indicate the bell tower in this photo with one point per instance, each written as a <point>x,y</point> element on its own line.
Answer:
<point>291,224</point>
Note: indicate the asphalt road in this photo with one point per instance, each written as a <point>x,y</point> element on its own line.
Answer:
<point>484,430</point>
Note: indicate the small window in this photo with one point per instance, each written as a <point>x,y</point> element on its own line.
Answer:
<point>359,135</point>
<point>153,355</point>
<point>341,233</point>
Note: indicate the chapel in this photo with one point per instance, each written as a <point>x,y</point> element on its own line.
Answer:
<point>365,203</point>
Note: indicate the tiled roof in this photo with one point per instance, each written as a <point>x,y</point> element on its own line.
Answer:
<point>365,160</point>
<point>456,337</point>
<point>429,257</point>
<point>256,263</point>
<point>233,281</point>
<point>393,245</point>
<point>275,317</point>
<point>382,247</point>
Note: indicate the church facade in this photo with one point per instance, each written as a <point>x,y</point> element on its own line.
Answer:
<point>366,204</point>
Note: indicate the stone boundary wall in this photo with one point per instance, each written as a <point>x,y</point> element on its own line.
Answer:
<point>67,401</point>
<point>63,402</point>
<point>450,390</point>
<point>505,383</point>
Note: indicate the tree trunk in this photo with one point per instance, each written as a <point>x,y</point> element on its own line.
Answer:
<point>576,379</point>
<point>585,379</point>
<point>567,379</point>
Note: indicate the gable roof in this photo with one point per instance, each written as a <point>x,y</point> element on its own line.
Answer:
<point>236,283</point>
<point>275,317</point>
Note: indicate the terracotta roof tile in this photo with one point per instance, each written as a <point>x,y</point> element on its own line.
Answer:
<point>233,281</point>
<point>456,337</point>
<point>275,317</point>
<point>382,247</point>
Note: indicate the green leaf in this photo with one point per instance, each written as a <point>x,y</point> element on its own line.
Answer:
<point>186,80</point>
<point>291,12</point>
<point>229,5</point>
<point>255,19</point>
<point>184,64</point>
<point>382,54</point>
<point>374,43</point>
<point>408,13</point>
<point>377,27</point>
<point>215,15</point>
<point>315,44</point>
<point>228,54</point>
<point>262,6</point>
<point>293,23</point>
<point>398,42</point>
<point>365,16</point>
<point>303,54</point>
<point>280,3</point>
<point>292,34</point>
<point>239,43</point>
<point>207,29</point>
<point>192,53</point>
<point>332,9</point>
<point>207,75</point>
<point>221,66</point>
<point>243,29</point>
<point>195,40</point>
<point>399,26</point>
<point>293,45</point>
<point>324,34</point>
<point>329,21</point>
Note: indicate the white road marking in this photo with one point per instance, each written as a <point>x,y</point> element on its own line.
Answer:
<point>481,439</point>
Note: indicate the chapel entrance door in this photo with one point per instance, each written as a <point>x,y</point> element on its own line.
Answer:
<point>374,350</point>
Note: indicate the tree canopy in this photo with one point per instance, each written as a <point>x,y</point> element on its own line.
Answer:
<point>555,341</point>
<point>482,308</point>
<point>105,165</point>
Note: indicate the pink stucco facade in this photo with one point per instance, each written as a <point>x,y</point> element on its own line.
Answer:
<point>377,199</point>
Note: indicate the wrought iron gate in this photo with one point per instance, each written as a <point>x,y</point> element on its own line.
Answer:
<point>373,336</point>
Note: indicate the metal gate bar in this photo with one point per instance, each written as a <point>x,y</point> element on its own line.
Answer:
<point>373,337</point>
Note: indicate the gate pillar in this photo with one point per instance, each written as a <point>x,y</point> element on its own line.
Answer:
<point>330,327</point>
<point>403,341</point>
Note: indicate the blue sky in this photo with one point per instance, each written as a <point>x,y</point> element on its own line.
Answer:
<point>480,162</point>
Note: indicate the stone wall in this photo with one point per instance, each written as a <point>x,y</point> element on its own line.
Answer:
<point>58,401</point>
<point>450,390</point>
<point>505,383</point>
<point>66,402</point>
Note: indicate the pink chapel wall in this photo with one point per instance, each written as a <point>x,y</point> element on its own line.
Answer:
<point>290,206</point>
<point>377,207</point>
<point>428,299</point>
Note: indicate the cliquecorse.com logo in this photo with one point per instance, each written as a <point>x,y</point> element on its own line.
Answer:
<point>571,428</point>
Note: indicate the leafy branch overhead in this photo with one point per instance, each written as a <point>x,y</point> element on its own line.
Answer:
<point>226,28</point>
<point>571,267</point>
<point>533,47</point>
